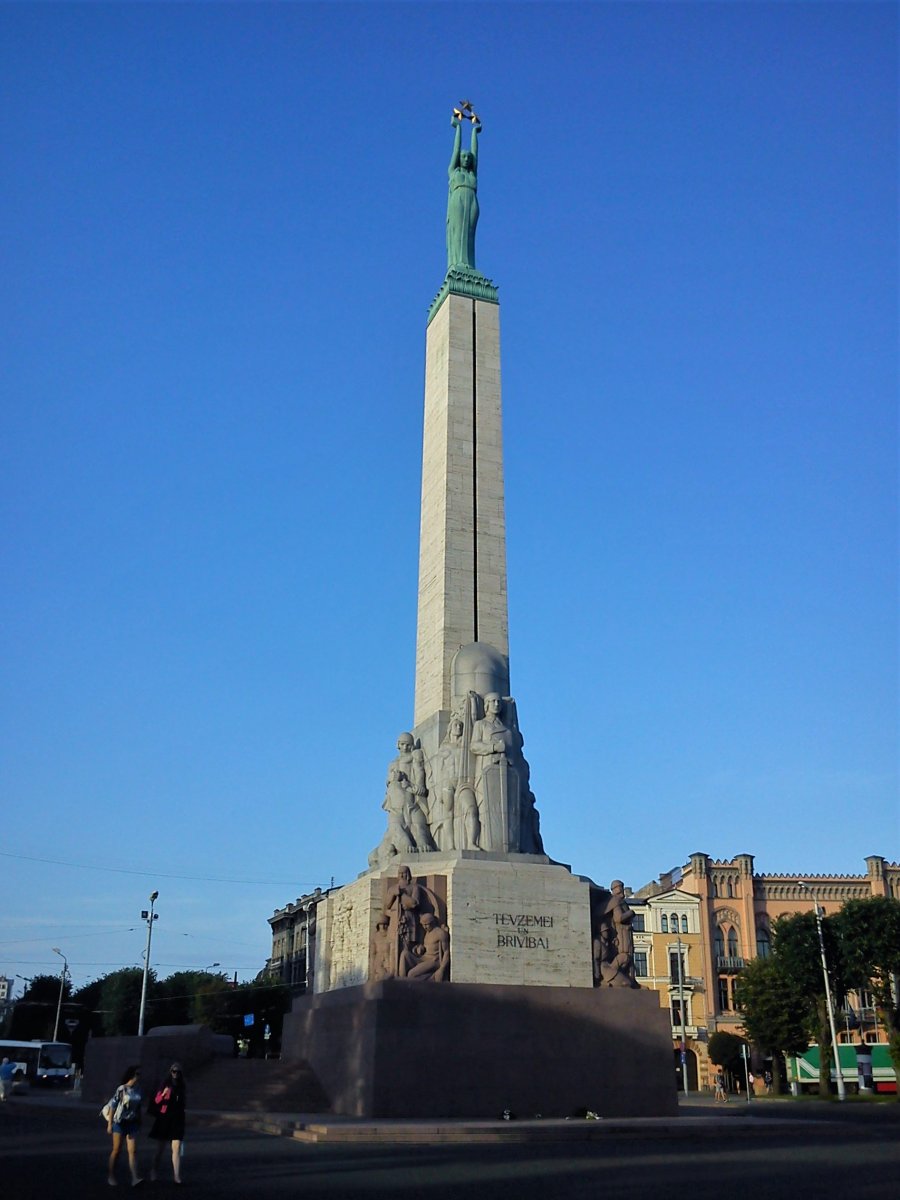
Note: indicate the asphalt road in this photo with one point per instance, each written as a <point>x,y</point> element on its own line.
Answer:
<point>55,1153</point>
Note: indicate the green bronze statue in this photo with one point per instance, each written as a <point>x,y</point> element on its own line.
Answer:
<point>462,200</point>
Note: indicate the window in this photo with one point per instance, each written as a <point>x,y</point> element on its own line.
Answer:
<point>724,999</point>
<point>640,964</point>
<point>664,923</point>
<point>673,966</point>
<point>732,943</point>
<point>637,924</point>
<point>763,945</point>
<point>676,1010</point>
<point>684,923</point>
<point>674,920</point>
<point>729,890</point>
<point>719,942</point>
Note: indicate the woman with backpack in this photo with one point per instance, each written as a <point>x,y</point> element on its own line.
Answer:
<point>123,1120</point>
<point>167,1108</point>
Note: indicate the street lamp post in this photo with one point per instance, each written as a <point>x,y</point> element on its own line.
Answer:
<point>684,1078</point>
<point>149,916</point>
<point>745,1055</point>
<point>841,1090</point>
<point>62,984</point>
<point>210,967</point>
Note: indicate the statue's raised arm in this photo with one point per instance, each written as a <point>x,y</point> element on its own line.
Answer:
<point>457,145</point>
<point>462,200</point>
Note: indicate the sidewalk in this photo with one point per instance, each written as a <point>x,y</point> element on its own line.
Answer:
<point>697,1119</point>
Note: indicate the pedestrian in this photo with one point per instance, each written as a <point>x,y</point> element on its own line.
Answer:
<point>720,1088</point>
<point>767,1079</point>
<point>167,1108</point>
<point>7,1074</point>
<point>123,1123</point>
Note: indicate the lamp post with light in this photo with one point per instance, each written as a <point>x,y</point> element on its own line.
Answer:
<point>841,1090</point>
<point>62,984</point>
<point>149,916</point>
<point>684,1078</point>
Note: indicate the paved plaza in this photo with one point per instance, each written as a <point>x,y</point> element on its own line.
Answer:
<point>56,1150</point>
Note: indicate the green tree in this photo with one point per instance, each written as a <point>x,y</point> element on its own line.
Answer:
<point>211,1004</point>
<point>773,1011</point>
<point>725,1050</point>
<point>44,989</point>
<point>869,931</point>
<point>120,1000</point>
<point>795,947</point>
<point>173,998</point>
<point>35,1014</point>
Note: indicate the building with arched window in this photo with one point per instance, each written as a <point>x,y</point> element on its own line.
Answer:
<point>668,957</point>
<point>732,909</point>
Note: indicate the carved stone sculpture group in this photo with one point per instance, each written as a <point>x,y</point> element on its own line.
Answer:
<point>612,939</point>
<point>472,794</point>
<point>411,939</point>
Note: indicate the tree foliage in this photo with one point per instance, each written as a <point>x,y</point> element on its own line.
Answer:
<point>44,989</point>
<point>725,1050</point>
<point>34,1016</point>
<point>869,932</point>
<point>795,948</point>
<point>110,1006</point>
<point>782,998</point>
<point>773,1009</point>
<point>120,1000</point>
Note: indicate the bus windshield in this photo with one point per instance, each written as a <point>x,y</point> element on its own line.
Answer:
<point>55,1054</point>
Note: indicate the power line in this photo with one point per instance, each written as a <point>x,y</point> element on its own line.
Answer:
<point>69,937</point>
<point>56,862</point>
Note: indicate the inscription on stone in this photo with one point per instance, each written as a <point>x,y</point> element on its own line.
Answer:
<point>520,922</point>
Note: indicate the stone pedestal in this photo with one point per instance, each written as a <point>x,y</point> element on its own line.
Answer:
<point>399,1048</point>
<point>513,919</point>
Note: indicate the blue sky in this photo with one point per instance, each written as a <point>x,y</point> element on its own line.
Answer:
<point>222,226</point>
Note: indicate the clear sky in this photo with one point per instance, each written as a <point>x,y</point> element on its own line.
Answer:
<point>221,228</point>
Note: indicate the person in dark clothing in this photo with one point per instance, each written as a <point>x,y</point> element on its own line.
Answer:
<point>166,1107</point>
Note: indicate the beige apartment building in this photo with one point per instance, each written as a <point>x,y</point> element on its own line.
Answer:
<point>724,912</point>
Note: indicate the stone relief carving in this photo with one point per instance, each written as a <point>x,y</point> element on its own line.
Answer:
<point>411,939</point>
<point>430,959</point>
<point>727,916</point>
<point>613,941</point>
<point>472,794</point>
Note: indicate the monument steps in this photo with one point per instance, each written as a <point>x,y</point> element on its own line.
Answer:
<point>256,1085</point>
<point>443,1134</point>
<point>426,1133</point>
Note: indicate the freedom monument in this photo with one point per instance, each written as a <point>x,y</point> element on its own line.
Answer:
<point>465,972</point>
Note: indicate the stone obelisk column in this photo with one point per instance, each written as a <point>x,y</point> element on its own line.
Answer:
<point>462,548</point>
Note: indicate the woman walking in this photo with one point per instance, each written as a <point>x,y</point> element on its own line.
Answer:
<point>167,1107</point>
<point>123,1123</point>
